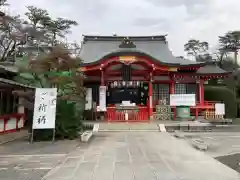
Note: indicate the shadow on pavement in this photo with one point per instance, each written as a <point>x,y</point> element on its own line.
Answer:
<point>232,161</point>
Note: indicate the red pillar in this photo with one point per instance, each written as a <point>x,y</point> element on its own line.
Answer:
<point>172,87</point>
<point>102,78</point>
<point>172,91</point>
<point>201,92</point>
<point>150,89</point>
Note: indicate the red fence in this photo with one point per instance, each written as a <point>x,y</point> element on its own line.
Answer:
<point>113,115</point>
<point>11,123</point>
<point>201,109</point>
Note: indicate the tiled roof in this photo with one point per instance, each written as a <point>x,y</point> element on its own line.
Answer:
<point>7,81</point>
<point>95,48</point>
<point>211,69</point>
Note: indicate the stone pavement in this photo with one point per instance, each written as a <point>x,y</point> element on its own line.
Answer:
<point>122,126</point>
<point>20,160</point>
<point>27,167</point>
<point>4,138</point>
<point>139,156</point>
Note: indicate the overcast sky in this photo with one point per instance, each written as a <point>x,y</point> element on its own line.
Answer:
<point>180,19</point>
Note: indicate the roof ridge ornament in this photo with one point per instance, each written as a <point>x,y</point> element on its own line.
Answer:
<point>127,43</point>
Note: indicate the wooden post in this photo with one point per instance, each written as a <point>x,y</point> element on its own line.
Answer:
<point>102,78</point>
<point>102,84</point>
<point>172,91</point>
<point>150,90</point>
<point>201,92</point>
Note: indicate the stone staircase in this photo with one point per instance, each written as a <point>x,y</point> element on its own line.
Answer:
<point>128,127</point>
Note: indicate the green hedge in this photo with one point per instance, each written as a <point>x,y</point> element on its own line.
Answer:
<point>225,95</point>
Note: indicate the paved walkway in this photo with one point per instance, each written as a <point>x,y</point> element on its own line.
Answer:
<point>20,160</point>
<point>4,138</point>
<point>121,126</point>
<point>139,156</point>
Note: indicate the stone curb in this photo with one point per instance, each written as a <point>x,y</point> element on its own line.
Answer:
<point>86,136</point>
<point>199,144</point>
<point>189,127</point>
<point>162,128</point>
<point>95,128</point>
<point>224,125</point>
<point>179,134</point>
<point>127,130</point>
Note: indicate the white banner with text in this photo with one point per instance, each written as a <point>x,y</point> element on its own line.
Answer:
<point>182,99</point>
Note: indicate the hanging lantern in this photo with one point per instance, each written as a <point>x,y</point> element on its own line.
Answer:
<point>130,83</point>
<point>115,84</point>
<point>127,84</point>
<point>124,83</point>
<point>138,83</point>
<point>134,84</point>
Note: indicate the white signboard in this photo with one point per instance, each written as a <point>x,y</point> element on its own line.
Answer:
<point>220,109</point>
<point>102,98</point>
<point>182,100</point>
<point>45,108</point>
<point>88,104</point>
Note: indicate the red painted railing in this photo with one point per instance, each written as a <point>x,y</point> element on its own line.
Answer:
<point>113,115</point>
<point>11,123</point>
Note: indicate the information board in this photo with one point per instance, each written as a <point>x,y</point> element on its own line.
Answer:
<point>182,100</point>
<point>220,109</point>
<point>102,98</point>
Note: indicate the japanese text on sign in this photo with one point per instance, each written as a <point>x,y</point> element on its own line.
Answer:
<point>45,108</point>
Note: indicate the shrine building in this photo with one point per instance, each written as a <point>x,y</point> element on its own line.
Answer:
<point>143,72</point>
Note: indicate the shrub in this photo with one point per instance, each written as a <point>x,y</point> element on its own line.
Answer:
<point>225,95</point>
<point>68,122</point>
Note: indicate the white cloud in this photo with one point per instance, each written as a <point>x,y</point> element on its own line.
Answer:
<point>180,19</point>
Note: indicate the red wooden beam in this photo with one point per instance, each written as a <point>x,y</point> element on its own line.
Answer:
<point>135,72</point>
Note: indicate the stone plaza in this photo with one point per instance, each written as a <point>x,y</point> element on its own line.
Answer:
<point>115,156</point>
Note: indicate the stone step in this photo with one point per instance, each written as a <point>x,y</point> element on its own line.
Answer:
<point>128,127</point>
<point>191,126</point>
